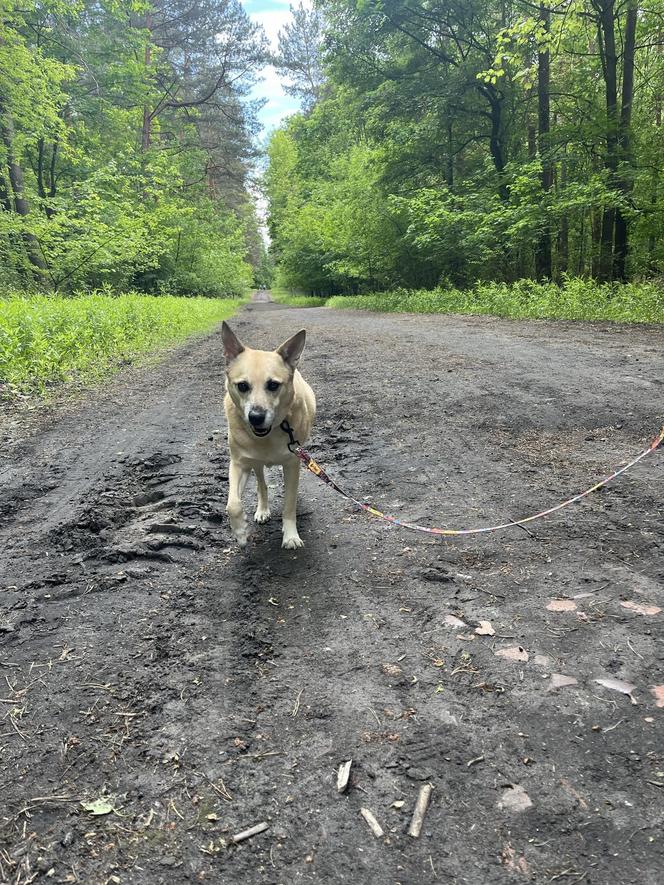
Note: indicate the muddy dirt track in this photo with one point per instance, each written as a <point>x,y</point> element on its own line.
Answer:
<point>197,690</point>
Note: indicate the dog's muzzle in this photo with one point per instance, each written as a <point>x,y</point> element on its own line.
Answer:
<point>257,421</point>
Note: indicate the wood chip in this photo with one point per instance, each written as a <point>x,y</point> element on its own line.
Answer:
<point>252,831</point>
<point>485,629</point>
<point>562,605</point>
<point>514,653</point>
<point>343,775</point>
<point>640,609</point>
<point>618,685</point>
<point>559,680</point>
<point>453,621</point>
<point>421,806</point>
<point>657,691</point>
<point>375,827</point>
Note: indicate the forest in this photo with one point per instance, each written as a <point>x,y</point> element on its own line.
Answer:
<point>128,145</point>
<point>450,143</point>
<point>469,156</point>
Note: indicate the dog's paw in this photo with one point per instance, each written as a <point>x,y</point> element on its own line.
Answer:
<point>292,542</point>
<point>240,528</point>
<point>261,516</point>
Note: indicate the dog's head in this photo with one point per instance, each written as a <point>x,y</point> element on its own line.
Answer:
<point>260,382</point>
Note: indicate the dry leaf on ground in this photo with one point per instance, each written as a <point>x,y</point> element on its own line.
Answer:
<point>618,685</point>
<point>640,609</point>
<point>97,807</point>
<point>452,621</point>
<point>562,605</point>
<point>559,680</point>
<point>513,653</point>
<point>485,629</point>
<point>657,691</point>
<point>515,798</point>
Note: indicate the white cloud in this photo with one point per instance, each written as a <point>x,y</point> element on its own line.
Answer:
<point>272,21</point>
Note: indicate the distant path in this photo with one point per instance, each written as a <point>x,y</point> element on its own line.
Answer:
<point>261,296</point>
<point>202,690</point>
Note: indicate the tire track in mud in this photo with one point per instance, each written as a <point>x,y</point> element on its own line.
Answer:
<point>201,689</point>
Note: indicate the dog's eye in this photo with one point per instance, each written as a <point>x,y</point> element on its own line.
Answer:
<point>243,387</point>
<point>272,386</point>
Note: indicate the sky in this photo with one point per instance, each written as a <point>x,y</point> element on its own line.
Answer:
<point>273,15</point>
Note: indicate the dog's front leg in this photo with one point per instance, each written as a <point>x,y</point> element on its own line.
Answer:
<point>291,539</point>
<point>262,513</point>
<point>237,480</point>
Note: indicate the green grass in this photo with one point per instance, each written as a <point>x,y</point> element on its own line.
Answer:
<point>48,339</point>
<point>283,296</point>
<point>576,300</point>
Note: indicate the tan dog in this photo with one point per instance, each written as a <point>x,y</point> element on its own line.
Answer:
<point>264,388</point>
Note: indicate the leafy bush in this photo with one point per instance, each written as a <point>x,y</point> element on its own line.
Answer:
<point>46,339</point>
<point>577,299</point>
<point>283,296</point>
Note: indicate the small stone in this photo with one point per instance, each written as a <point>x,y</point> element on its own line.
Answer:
<point>418,774</point>
<point>169,861</point>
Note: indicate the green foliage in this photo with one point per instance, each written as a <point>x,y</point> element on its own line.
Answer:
<point>119,165</point>
<point>577,299</point>
<point>464,142</point>
<point>292,299</point>
<point>264,271</point>
<point>332,228</point>
<point>46,339</point>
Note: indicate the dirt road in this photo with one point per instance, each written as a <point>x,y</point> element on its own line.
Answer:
<point>192,690</point>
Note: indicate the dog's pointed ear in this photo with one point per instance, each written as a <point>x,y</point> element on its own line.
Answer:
<point>291,350</point>
<point>233,347</point>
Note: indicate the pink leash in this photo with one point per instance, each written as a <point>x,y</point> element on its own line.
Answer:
<point>318,471</point>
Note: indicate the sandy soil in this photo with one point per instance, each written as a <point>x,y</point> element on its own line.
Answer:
<point>191,690</point>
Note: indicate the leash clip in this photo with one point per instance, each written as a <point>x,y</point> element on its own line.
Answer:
<point>285,426</point>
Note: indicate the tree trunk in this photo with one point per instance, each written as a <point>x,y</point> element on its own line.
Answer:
<point>596,220</point>
<point>654,193</point>
<point>543,247</point>
<point>563,231</point>
<point>496,144</point>
<point>610,70</point>
<point>581,260</point>
<point>625,179</point>
<point>18,201</point>
<point>449,176</point>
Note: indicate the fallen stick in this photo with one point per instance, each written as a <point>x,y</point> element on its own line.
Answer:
<point>252,831</point>
<point>343,775</point>
<point>375,827</point>
<point>421,806</point>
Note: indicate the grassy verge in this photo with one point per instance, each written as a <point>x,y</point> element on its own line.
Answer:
<point>48,339</point>
<point>576,300</point>
<point>283,296</point>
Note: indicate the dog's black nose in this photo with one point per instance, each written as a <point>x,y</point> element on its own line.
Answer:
<point>256,417</point>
